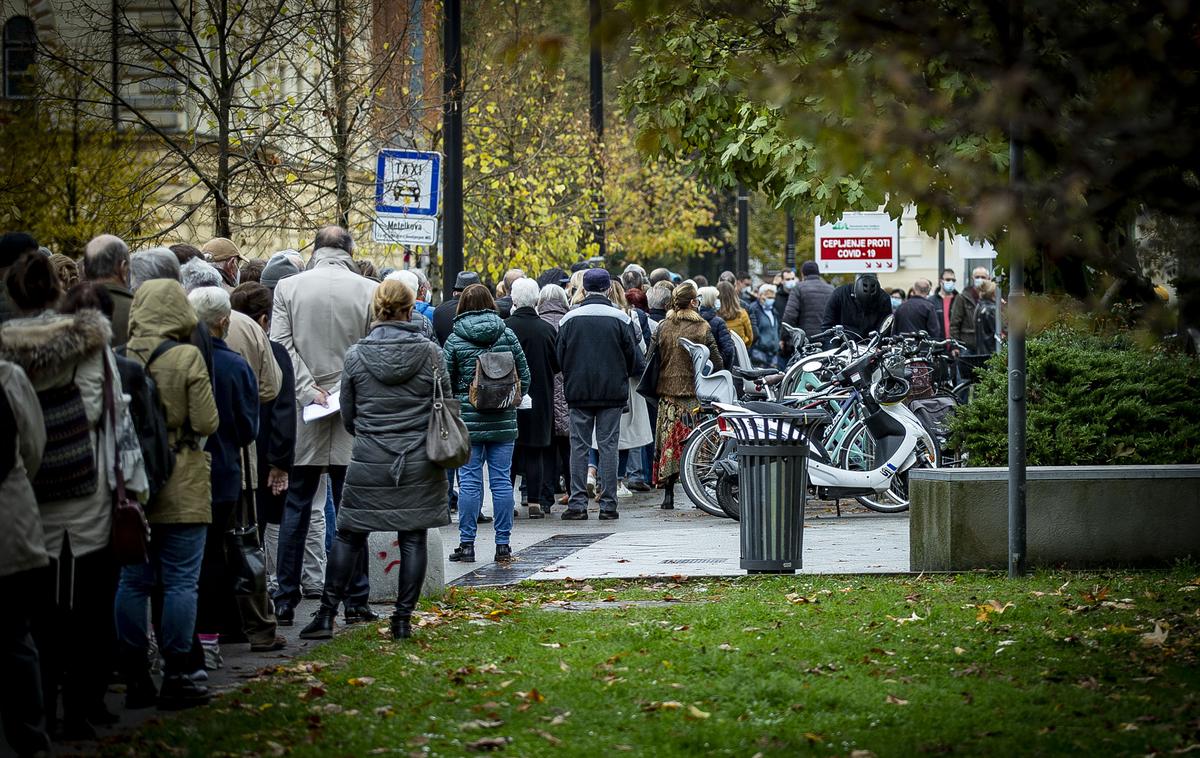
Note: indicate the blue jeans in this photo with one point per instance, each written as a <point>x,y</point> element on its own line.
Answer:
<point>176,552</point>
<point>498,456</point>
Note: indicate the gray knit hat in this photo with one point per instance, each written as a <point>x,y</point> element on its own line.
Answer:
<point>277,269</point>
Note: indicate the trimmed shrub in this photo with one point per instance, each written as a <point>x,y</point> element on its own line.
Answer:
<point>1098,399</point>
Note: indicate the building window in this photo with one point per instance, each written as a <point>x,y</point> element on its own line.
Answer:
<point>20,49</point>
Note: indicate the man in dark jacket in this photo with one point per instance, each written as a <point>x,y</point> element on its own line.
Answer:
<point>597,354</point>
<point>919,313</point>
<point>785,285</point>
<point>443,315</point>
<point>535,426</point>
<point>806,304</point>
<point>860,307</point>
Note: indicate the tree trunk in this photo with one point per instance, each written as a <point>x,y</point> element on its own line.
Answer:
<point>341,139</point>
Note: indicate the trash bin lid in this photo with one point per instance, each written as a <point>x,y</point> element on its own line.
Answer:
<point>794,415</point>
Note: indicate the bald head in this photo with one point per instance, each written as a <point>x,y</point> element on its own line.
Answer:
<point>922,287</point>
<point>335,237</point>
<point>106,259</point>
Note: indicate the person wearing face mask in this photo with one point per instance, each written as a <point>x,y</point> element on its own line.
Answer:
<point>860,307</point>
<point>918,313</point>
<point>226,258</point>
<point>898,298</point>
<point>765,350</point>
<point>745,288</point>
<point>787,285</point>
<point>709,302</point>
<point>962,312</point>
<point>806,305</point>
<point>944,297</point>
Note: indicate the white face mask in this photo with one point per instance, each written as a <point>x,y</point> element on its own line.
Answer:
<point>717,304</point>
<point>948,287</point>
<point>979,280</point>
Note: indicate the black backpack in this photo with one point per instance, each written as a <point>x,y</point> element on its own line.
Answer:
<point>149,416</point>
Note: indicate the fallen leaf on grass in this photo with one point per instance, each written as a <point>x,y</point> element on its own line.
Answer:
<point>893,700</point>
<point>361,681</point>
<point>623,748</point>
<point>795,598</point>
<point>533,696</point>
<point>1157,638</point>
<point>992,606</point>
<point>726,646</point>
<point>477,725</point>
<point>861,754</point>
<point>665,705</point>
<point>546,736</point>
<point>488,743</point>
<point>558,720</point>
<point>383,711</point>
<point>555,645</point>
<point>1003,645</point>
<point>275,749</point>
<point>958,650</point>
<point>907,620</point>
<point>313,693</point>
<point>695,713</point>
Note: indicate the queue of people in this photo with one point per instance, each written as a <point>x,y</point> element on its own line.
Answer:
<point>282,407</point>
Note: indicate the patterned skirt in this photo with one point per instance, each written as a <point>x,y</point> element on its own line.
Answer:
<point>674,425</point>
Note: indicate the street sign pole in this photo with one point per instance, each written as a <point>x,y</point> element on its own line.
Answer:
<point>452,130</point>
<point>789,251</point>
<point>743,233</point>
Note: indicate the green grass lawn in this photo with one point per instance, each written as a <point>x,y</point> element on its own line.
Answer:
<point>969,664</point>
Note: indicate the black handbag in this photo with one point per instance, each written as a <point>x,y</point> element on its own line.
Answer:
<point>246,561</point>
<point>648,386</point>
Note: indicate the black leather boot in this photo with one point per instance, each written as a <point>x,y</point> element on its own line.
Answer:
<point>464,553</point>
<point>401,627</point>
<point>321,627</point>
<point>140,691</point>
<point>668,503</point>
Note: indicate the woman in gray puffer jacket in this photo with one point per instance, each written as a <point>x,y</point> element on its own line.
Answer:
<point>386,397</point>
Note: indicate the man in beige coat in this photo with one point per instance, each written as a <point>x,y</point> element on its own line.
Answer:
<point>317,316</point>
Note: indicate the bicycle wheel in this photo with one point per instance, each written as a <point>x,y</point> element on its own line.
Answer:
<point>727,497</point>
<point>859,455</point>
<point>699,451</point>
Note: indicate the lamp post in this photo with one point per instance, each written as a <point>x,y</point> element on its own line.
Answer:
<point>452,135</point>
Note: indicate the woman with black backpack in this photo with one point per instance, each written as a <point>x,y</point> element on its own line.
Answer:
<point>489,374</point>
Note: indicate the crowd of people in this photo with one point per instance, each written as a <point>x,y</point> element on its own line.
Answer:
<point>282,408</point>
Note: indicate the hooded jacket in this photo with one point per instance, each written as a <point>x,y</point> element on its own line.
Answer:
<point>387,394</point>
<point>475,333</point>
<point>862,319</point>
<point>161,312</point>
<point>55,350</point>
<point>806,304</point>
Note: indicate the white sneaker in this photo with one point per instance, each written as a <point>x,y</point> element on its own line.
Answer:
<point>623,491</point>
<point>592,490</point>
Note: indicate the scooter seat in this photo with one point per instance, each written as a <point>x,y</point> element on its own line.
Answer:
<point>753,373</point>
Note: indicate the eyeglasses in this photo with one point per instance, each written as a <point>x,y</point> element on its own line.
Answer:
<point>951,279</point>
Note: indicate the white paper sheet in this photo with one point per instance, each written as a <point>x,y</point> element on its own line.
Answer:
<point>312,411</point>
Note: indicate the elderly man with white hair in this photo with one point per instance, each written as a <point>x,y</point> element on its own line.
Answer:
<point>198,273</point>
<point>410,280</point>
<point>534,455</point>
<point>106,262</point>
<point>236,392</point>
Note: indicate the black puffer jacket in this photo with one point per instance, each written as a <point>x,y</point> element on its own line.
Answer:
<point>386,396</point>
<point>856,317</point>
<point>720,332</point>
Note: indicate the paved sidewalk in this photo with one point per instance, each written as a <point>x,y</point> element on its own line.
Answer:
<point>648,541</point>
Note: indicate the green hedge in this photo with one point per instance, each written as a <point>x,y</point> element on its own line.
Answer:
<point>1092,399</point>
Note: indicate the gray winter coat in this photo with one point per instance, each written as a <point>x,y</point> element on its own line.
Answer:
<point>387,392</point>
<point>806,304</point>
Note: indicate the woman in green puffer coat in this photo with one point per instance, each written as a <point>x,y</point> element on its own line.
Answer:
<point>478,329</point>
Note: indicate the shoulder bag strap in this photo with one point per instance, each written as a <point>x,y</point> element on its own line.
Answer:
<point>435,364</point>
<point>246,516</point>
<point>110,410</point>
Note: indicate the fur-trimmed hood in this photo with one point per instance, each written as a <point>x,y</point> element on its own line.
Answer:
<point>43,345</point>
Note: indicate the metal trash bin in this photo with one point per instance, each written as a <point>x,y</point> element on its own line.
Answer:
<point>772,471</point>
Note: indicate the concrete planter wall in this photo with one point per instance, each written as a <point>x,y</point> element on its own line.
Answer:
<point>1077,517</point>
<point>382,567</point>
